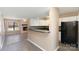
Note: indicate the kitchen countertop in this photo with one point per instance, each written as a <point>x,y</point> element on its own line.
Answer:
<point>40,30</point>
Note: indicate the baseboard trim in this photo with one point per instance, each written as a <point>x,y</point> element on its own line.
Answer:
<point>1,45</point>
<point>40,46</point>
<point>56,49</point>
<point>36,45</point>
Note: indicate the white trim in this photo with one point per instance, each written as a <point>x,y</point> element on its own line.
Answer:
<point>2,44</point>
<point>36,45</point>
<point>56,48</point>
<point>40,46</point>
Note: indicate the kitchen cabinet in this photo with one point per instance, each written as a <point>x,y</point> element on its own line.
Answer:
<point>43,22</point>
<point>34,22</point>
<point>39,22</point>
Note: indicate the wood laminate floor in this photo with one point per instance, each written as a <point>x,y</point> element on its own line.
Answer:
<point>16,43</point>
<point>67,47</point>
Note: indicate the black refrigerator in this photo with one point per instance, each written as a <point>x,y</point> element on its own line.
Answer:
<point>69,33</point>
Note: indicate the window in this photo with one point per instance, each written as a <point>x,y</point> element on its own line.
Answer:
<point>10,26</point>
<point>13,26</point>
<point>16,26</point>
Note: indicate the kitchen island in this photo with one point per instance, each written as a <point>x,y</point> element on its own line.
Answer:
<point>41,40</point>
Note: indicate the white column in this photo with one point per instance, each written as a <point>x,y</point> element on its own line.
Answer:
<point>53,27</point>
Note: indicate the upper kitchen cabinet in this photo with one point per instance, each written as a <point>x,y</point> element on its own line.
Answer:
<point>34,22</point>
<point>41,21</point>
<point>44,21</point>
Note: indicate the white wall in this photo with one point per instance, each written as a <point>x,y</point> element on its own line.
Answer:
<point>68,19</point>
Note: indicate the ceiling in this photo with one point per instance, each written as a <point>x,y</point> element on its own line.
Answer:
<point>24,12</point>
<point>32,12</point>
<point>63,10</point>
